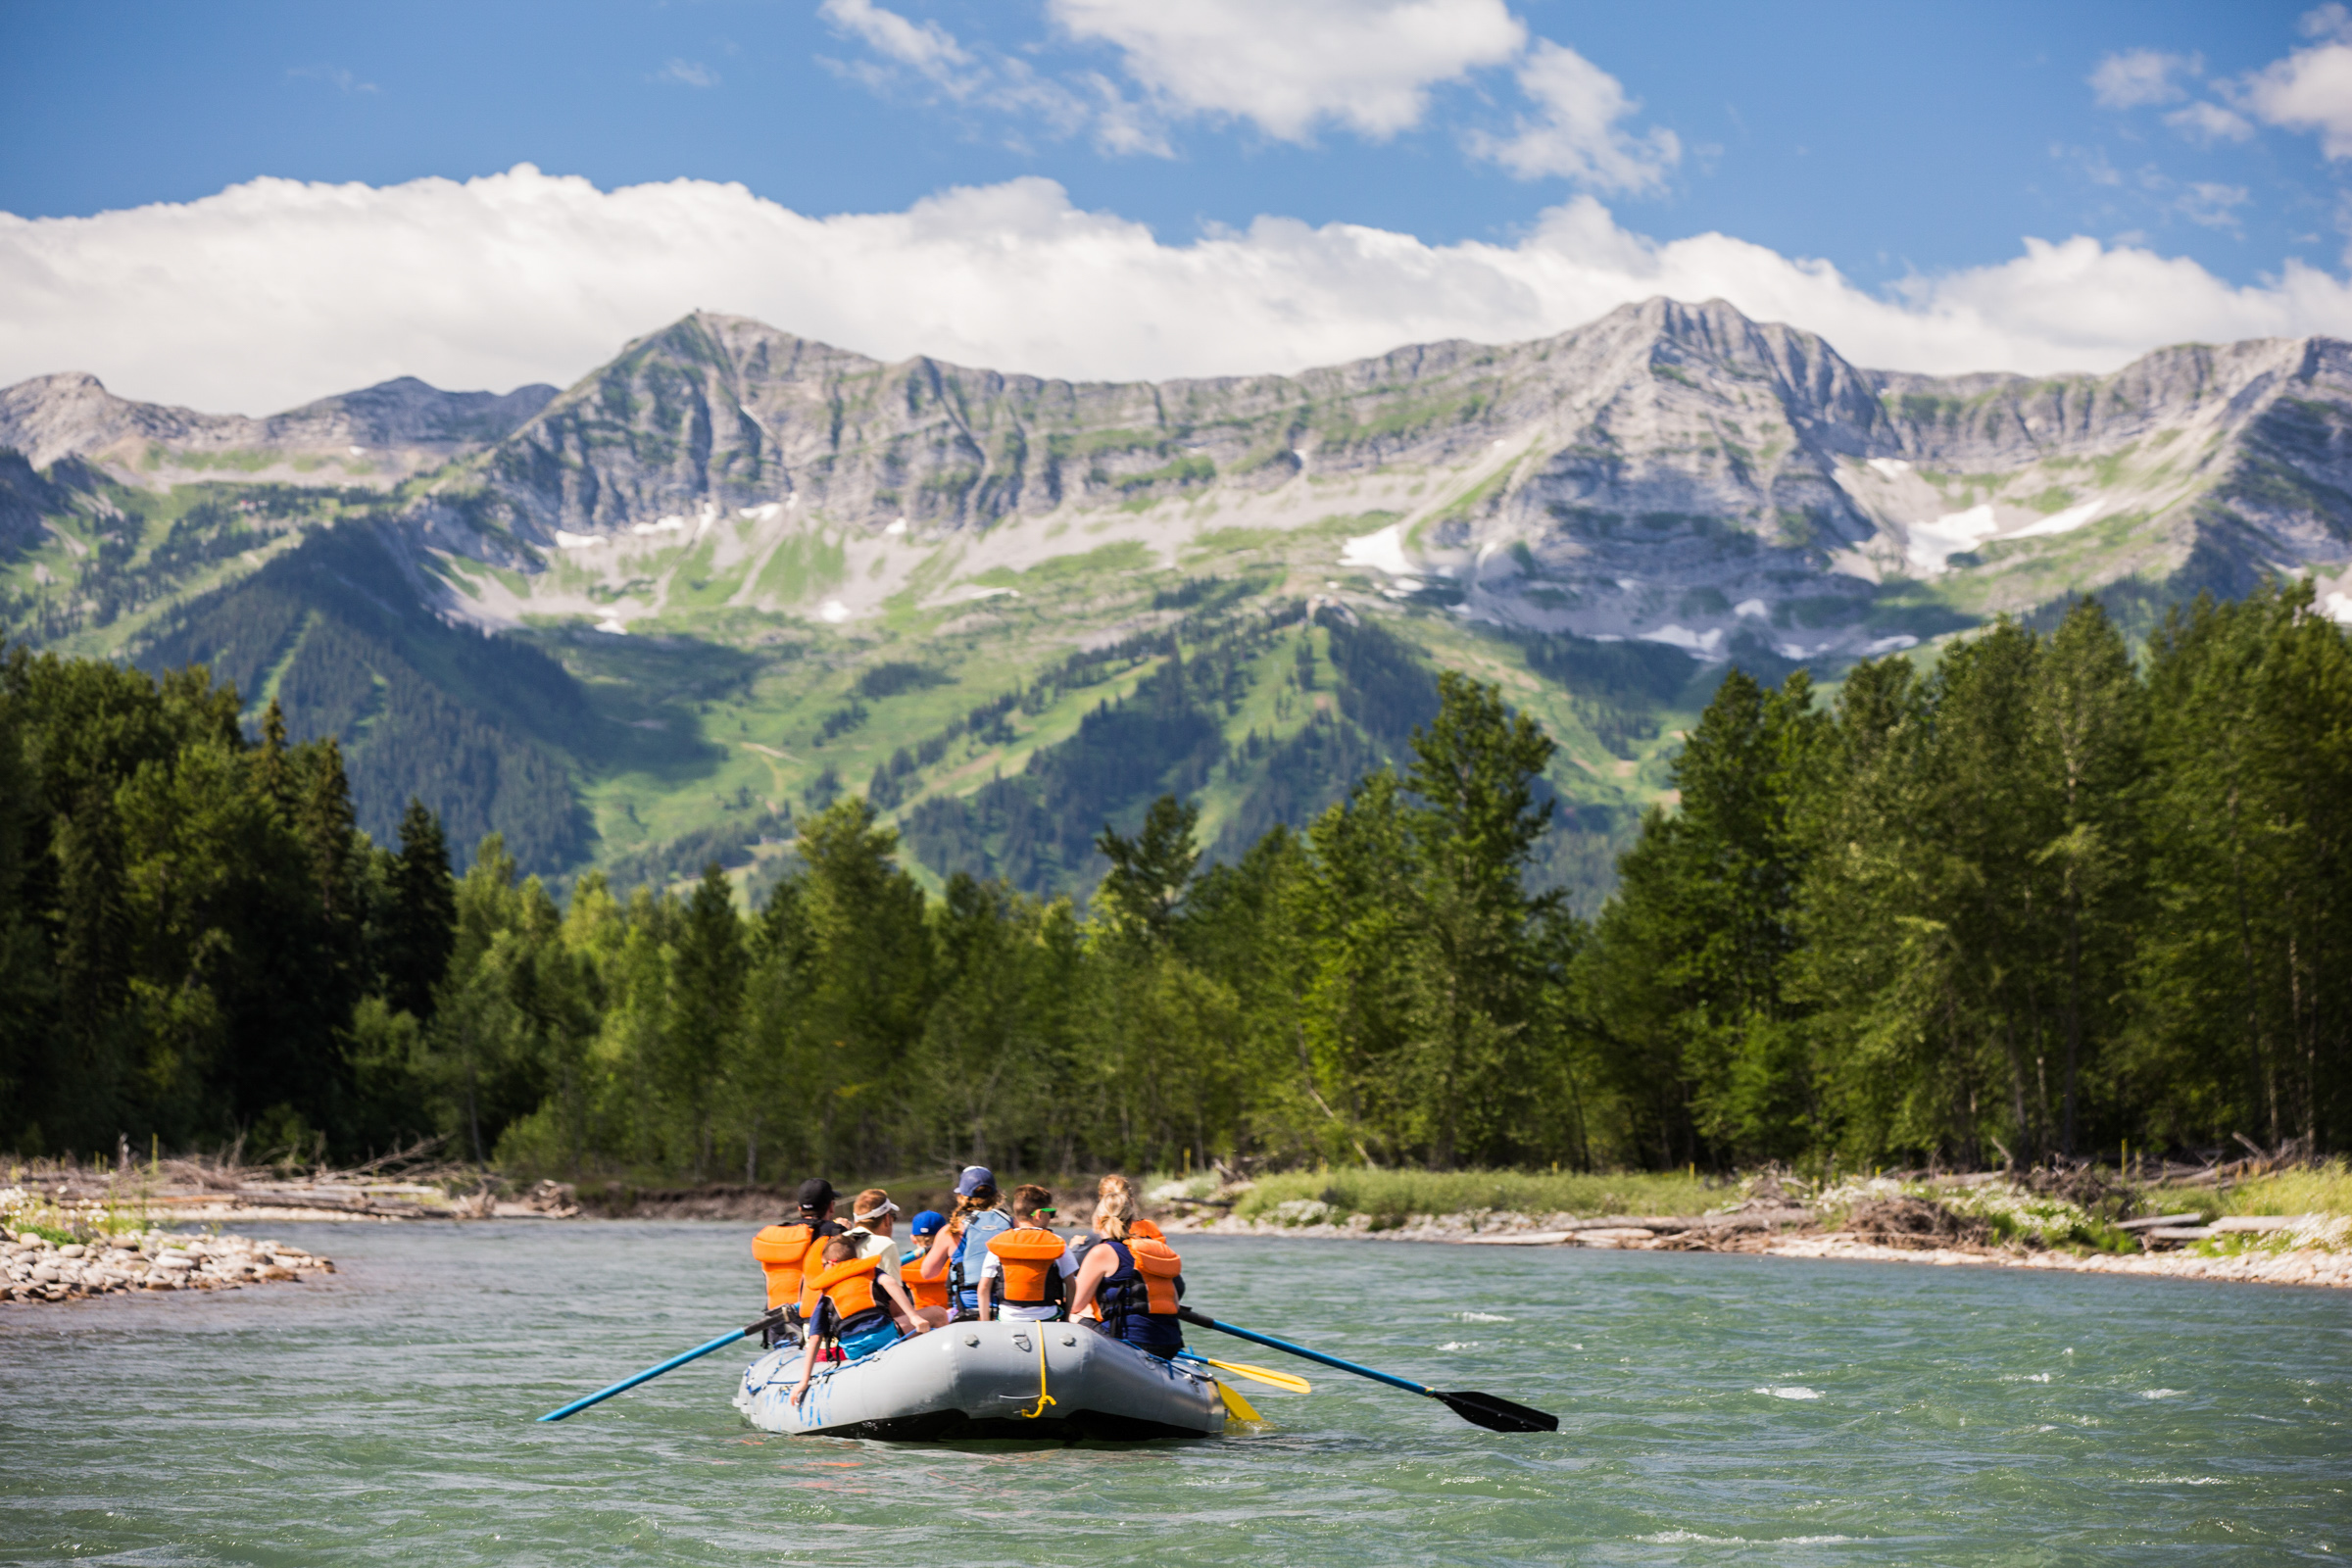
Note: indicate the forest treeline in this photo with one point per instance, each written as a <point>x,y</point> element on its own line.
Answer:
<point>2041,899</point>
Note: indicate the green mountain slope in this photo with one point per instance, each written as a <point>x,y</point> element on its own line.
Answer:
<point>735,572</point>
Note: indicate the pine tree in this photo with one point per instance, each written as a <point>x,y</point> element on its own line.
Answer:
<point>421,924</point>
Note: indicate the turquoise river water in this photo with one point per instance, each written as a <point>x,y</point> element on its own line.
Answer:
<point>1714,1409</point>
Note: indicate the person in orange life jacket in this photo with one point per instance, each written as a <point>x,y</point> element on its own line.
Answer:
<point>1134,1282</point>
<point>857,1312</point>
<point>958,1249</point>
<point>873,1217</point>
<point>932,1297</point>
<point>783,1252</point>
<point>1116,1194</point>
<point>1027,1270</point>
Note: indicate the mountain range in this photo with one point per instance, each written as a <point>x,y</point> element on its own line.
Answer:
<point>733,573</point>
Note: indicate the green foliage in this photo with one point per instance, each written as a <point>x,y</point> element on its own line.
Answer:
<point>2033,902</point>
<point>2033,905</point>
<point>480,727</point>
<point>1395,1195</point>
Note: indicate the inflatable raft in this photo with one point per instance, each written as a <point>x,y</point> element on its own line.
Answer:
<point>1052,1381</point>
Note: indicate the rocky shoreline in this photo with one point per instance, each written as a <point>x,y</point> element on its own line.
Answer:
<point>1788,1233</point>
<point>37,1269</point>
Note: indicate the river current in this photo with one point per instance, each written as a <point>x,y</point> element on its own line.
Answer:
<point>1713,1410</point>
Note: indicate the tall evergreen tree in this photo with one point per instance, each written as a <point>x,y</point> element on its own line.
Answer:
<point>421,924</point>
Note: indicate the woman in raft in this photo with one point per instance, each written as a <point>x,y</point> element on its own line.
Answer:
<point>860,1308</point>
<point>1132,1282</point>
<point>956,1253</point>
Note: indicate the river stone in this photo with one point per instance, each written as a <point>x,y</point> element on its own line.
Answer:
<point>45,1272</point>
<point>77,1249</point>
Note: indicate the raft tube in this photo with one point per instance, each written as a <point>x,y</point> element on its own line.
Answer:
<point>985,1380</point>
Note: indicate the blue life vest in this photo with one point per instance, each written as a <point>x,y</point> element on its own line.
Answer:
<point>971,1251</point>
<point>1127,1308</point>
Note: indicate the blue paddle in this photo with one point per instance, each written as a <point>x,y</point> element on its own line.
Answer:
<point>674,1362</point>
<point>1484,1409</point>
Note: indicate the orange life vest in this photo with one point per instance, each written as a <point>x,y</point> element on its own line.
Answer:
<point>782,1250</point>
<point>1156,1261</point>
<point>1027,1256</point>
<point>924,1292</point>
<point>848,1286</point>
<point>1144,1230</point>
<point>812,1263</point>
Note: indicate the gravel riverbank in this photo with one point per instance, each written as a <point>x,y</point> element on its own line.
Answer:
<point>40,1270</point>
<point>1792,1233</point>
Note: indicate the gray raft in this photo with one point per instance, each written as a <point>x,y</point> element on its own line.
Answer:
<point>983,1380</point>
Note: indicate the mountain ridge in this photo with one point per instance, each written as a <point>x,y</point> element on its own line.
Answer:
<point>1008,607</point>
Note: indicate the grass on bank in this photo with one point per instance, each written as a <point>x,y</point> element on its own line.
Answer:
<point>2322,1188</point>
<point>1393,1197</point>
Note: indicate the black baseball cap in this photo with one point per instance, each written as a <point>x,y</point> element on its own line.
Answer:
<point>816,1193</point>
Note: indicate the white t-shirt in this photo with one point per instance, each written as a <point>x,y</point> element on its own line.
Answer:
<point>869,1246</point>
<point>994,1269</point>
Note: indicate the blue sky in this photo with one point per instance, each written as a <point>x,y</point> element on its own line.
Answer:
<point>1914,149</point>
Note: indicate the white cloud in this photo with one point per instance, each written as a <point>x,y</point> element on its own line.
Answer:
<point>983,78</point>
<point>2213,205</point>
<point>926,46</point>
<point>1290,65</point>
<point>274,292</point>
<point>2134,77</point>
<point>2206,124</point>
<point>2310,89</point>
<point>1576,135</point>
<point>687,73</point>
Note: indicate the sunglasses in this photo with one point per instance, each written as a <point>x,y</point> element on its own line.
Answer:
<point>1048,1213</point>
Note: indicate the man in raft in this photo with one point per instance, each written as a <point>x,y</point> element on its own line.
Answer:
<point>1027,1270</point>
<point>785,1252</point>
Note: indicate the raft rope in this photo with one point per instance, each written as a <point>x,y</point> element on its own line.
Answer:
<point>1043,1397</point>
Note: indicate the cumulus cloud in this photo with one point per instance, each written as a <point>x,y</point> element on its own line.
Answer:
<point>1289,65</point>
<point>2134,77</point>
<point>2311,89</point>
<point>1576,133</point>
<point>274,292</point>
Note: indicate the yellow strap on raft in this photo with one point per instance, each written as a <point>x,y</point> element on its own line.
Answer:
<point>1043,1397</point>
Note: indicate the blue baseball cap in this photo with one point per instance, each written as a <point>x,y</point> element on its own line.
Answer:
<point>974,1178</point>
<point>929,1222</point>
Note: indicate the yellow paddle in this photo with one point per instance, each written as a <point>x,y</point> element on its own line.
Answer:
<point>1263,1374</point>
<point>1239,1409</point>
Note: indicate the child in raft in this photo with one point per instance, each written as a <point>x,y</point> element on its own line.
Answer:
<point>853,1315</point>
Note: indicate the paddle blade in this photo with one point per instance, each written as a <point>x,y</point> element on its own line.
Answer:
<point>1236,1407</point>
<point>1263,1374</point>
<point>1497,1415</point>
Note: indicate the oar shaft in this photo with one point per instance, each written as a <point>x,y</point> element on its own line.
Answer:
<point>651,1372</point>
<point>1268,1340</point>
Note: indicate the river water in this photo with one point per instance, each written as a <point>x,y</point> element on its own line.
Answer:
<point>1713,1410</point>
